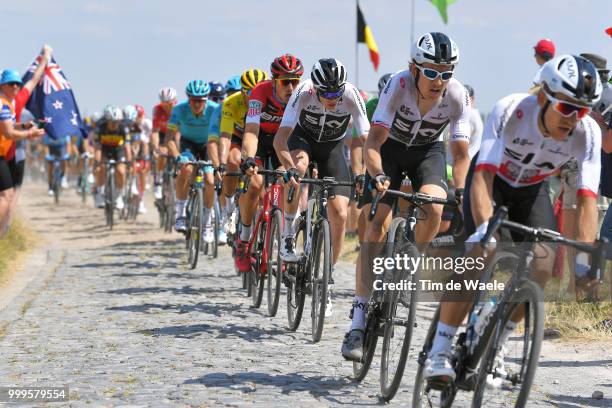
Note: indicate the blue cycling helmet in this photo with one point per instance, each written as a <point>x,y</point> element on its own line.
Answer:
<point>216,89</point>
<point>197,89</point>
<point>233,85</point>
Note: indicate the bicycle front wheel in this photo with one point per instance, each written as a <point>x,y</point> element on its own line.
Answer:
<point>257,278</point>
<point>274,263</point>
<point>508,369</point>
<point>294,280</point>
<point>321,269</point>
<point>195,229</point>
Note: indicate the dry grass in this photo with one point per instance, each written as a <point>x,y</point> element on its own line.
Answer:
<point>579,320</point>
<point>349,249</point>
<point>12,247</point>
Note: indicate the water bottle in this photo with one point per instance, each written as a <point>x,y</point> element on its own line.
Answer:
<point>479,320</point>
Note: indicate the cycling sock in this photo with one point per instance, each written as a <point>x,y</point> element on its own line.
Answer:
<point>206,216</point>
<point>180,208</point>
<point>288,227</point>
<point>229,204</point>
<point>359,305</point>
<point>508,329</point>
<point>245,232</point>
<point>443,339</point>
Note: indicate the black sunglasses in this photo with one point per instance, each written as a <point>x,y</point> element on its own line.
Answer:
<point>286,82</point>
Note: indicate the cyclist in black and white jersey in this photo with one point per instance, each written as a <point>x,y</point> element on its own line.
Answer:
<point>415,107</point>
<point>315,121</point>
<point>526,139</point>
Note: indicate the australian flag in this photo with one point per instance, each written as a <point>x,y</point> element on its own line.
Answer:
<point>53,102</point>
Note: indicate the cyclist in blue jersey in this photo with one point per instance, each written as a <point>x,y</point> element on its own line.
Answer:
<point>56,148</point>
<point>187,139</point>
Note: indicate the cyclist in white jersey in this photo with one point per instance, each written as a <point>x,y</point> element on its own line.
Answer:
<point>526,139</point>
<point>415,107</point>
<point>315,121</point>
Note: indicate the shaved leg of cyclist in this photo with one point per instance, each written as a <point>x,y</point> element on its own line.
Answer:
<point>425,94</point>
<point>329,98</point>
<point>188,130</point>
<point>521,133</point>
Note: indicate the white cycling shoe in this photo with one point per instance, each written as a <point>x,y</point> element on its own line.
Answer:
<point>438,366</point>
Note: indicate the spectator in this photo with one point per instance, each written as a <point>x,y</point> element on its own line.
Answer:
<point>18,151</point>
<point>544,51</point>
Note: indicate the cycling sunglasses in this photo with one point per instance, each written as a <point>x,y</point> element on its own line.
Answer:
<point>432,74</point>
<point>217,98</point>
<point>567,109</point>
<point>202,100</point>
<point>331,95</point>
<point>286,82</point>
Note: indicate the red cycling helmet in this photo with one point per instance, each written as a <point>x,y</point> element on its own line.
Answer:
<point>286,66</point>
<point>140,111</point>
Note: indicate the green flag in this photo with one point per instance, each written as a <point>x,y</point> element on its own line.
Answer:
<point>441,6</point>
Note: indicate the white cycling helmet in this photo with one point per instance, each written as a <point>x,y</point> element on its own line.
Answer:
<point>328,75</point>
<point>130,113</point>
<point>436,48</point>
<point>112,113</point>
<point>167,94</point>
<point>572,76</point>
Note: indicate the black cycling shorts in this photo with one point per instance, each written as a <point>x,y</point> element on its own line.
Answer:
<point>18,172</point>
<point>8,173</point>
<point>198,149</point>
<point>329,157</point>
<point>424,165</point>
<point>116,153</point>
<point>528,205</point>
<point>265,150</point>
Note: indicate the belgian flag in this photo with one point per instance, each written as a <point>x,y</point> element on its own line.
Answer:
<point>364,35</point>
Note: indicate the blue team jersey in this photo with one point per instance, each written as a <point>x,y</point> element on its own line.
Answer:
<point>193,128</point>
<point>215,123</point>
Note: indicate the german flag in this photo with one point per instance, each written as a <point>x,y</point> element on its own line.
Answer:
<point>364,35</point>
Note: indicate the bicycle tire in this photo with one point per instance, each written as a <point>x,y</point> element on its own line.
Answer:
<point>109,195</point>
<point>296,285</point>
<point>195,229</point>
<point>320,278</point>
<point>370,340</point>
<point>529,294</point>
<point>390,384</point>
<point>215,219</point>
<point>274,267</point>
<point>257,278</point>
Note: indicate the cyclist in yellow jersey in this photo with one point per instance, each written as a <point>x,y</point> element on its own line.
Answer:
<point>232,127</point>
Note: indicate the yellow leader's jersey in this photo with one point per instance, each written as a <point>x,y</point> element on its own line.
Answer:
<point>233,113</point>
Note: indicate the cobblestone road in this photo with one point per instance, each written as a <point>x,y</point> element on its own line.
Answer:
<point>121,321</point>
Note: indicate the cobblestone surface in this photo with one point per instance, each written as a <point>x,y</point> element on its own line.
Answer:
<point>123,323</point>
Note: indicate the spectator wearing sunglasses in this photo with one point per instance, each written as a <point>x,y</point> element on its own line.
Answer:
<point>526,139</point>
<point>266,108</point>
<point>15,94</point>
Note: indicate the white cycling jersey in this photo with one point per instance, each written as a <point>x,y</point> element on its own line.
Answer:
<point>305,109</point>
<point>514,148</point>
<point>475,132</point>
<point>397,111</point>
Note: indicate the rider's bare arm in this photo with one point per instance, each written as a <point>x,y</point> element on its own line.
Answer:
<point>481,196</point>
<point>377,136</point>
<point>461,162</point>
<point>249,140</point>
<point>282,148</point>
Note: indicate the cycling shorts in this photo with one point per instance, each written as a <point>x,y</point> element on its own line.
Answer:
<point>265,150</point>
<point>424,165</point>
<point>236,142</point>
<point>198,149</point>
<point>8,174</point>
<point>329,157</point>
<point>116,153</point>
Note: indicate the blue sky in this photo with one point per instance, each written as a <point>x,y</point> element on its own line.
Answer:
<point>123,51</point>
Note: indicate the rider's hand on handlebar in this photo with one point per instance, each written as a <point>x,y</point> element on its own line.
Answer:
<point>249,166</point>
<point>381,182</point>
<point>359,183</point>
<point>292,176</point>
<point>220,172</point>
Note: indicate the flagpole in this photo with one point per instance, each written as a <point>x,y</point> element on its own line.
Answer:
<point>356,48</point>
<point>412,25</point>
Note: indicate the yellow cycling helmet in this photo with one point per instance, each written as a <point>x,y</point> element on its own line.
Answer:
<point>252,77</point>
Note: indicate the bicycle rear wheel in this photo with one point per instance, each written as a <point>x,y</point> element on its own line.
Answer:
<point>399,322</point>
<point>508,381</point>
<point>321,268</point>
<point>295,282</point>
<point>169,207</point>
<point>215,221</point>
<point>109,198</point>
<point>274,262</point>
<point>195,228</point>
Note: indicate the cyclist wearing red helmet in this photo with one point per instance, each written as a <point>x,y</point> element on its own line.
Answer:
<point>266,107</point>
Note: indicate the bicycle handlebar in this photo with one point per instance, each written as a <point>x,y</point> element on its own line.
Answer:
<point>416,199</point>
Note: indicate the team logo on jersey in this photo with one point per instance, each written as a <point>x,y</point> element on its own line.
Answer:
<point>519,113</point>
<point>324,127</point>
<point>254,108</point>
<point>402,82</point>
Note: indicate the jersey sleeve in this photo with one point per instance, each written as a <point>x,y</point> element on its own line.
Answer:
<point>361,125</point>
<point>588,154</point>
<point>290,117</point>
<point>21,99</point>
<point>460,120</point>
<point>214,128</point>
<point>257,101</point>
<point>385,110</point>
<point>156,118</point>
<point>227,117</point>
<point>491,148</point>
<point>175,118</point>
